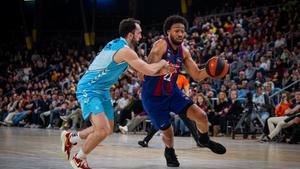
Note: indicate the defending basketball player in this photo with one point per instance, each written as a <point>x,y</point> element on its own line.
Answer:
<point>161,95</point>
<point>93,89</point>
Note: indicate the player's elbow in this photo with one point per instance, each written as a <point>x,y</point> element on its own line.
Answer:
<point>198,79</point>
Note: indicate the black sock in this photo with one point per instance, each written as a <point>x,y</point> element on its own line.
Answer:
<point>169,149</point>
<point>150,134</point>
<point>203,138</point>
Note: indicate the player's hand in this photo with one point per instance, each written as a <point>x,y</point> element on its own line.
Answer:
<point>140,76</point>
<point>169,69</point>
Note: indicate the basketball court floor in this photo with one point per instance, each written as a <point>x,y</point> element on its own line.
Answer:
<point>23,148</point>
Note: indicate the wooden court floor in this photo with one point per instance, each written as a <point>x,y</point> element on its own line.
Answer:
<point>23,148</point>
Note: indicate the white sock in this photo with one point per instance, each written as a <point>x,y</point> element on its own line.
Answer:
<point>75,137</point>
<point>81,154</point>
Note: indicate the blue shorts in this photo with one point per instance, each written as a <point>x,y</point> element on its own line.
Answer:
<point>95,103</point>
<point>159,107</point>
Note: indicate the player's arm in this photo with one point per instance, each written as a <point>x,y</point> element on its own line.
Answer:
<point>192,67</point>
<point>129,56</point>
<point>157,51</point>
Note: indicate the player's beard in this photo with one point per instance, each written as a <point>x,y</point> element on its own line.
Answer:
<point>134,43</point>
<point>176,42</point>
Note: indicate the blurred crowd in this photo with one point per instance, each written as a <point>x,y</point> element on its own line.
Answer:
<point>262,46</point>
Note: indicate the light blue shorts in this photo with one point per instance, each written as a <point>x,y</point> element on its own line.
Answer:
<point>95,103</point>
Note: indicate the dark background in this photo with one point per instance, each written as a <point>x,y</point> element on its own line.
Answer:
<point>61,17</point>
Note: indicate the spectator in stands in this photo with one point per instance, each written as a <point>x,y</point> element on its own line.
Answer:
<point>124,108</point>
<point>286,80</point>
<point>221,110</point>
<point>73,113</point>
<point>250,70</point>
<point>262,103</point>
<point>12,108</point>
<point>138,115</point>
<point>59,109</point>
<point>280,121</point>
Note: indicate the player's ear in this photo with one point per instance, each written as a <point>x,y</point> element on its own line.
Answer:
<point>131,35</point>
<point>168,31</point>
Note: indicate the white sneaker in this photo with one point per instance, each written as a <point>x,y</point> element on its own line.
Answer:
<point>27,125</point>
<point>78,163</point>
<point>22,122</point>
<point>66,145</point>
<point>123,129</point>
<point>8,122</point>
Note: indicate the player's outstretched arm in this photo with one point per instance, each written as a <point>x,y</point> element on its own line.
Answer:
<point>158,50</point>
<point>129,56</point>
<point>192,68</point>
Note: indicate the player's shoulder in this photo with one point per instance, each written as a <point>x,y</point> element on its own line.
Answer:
<point>160,41</point>
<point>115,44</point>
<point>160,45</point>
<point>184,48</point>
<point>126,51</point>
<point>185,51</point>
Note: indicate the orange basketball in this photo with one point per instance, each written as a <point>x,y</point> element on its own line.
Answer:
<point>217,67</point>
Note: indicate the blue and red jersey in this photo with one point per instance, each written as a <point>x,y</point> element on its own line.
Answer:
<point>165,85</point>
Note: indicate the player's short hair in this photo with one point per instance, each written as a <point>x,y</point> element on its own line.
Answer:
<point>173,19</point>
<point>127,25</point>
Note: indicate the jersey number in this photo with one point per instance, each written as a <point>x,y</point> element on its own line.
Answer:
<point>168,77</point>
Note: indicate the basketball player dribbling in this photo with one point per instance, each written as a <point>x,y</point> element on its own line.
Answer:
<point>93,90</point>
<point>161,95</point>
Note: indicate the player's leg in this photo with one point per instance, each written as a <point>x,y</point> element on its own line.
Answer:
<point>191,125</point>
<point>181,104</point>
<point>102,123</point>
<point>196,114</point>
<point>68,138</point>
<point>162,120</point>
<point>74,137</point>
<point>102,129</point>
<point>168,139</point>
<point>150,134</point>
<point>107,107</point>
<point>109,110</point>
<point>85,133</point>
<point>159,114</point>
<point>168,136</point>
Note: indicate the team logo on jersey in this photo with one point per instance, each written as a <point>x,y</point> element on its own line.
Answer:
<point>168,54</point>
<point>101,73</point>
<point>179,60</point>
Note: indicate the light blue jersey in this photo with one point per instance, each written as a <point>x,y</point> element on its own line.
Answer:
<point>93,90</point>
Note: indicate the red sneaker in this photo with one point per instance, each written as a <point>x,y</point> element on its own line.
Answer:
<point>78,163</point>
<point>66,143</point>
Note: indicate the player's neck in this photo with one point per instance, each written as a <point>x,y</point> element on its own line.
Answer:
<point>130,44</point>
<point>174,47</point>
